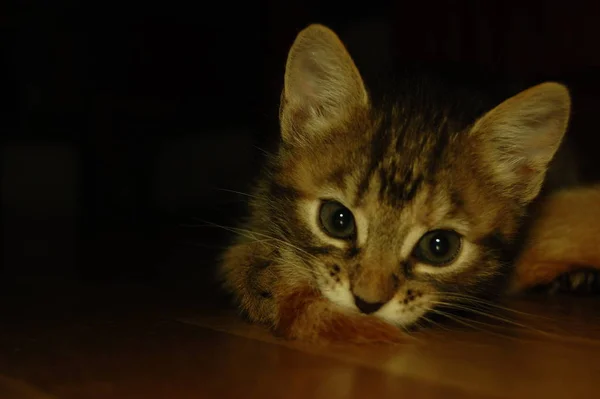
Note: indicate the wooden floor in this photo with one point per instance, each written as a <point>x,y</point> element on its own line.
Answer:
<point>135,342</point>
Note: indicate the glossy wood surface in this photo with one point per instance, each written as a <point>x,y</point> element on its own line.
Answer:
<point>136,342</point>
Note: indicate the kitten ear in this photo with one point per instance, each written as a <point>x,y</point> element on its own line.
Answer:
<point>518,139</point>
<point>322,85</point>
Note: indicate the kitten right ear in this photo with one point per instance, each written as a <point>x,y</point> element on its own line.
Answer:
<point>322,85</point>
<point>518,139</point>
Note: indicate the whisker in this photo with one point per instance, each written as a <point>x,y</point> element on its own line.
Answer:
<point>463,307</point>
<point>262,150</point>
<point>289,244</point>
<point>252,235</point>
<point>479,301</point>
<point>457,319</point>
<point>436,324</point>
<point>471,323</point>
<point>247,235</point>
<point>238,192</point>
<point>488,306</point>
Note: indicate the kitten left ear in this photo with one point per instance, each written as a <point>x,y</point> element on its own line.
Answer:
<point>518,139</point>
<point>322,85</point>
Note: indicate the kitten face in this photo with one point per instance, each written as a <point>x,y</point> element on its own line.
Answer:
<point>422,229</point>
<point>396,207</point>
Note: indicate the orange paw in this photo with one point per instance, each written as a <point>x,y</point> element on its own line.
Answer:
<point>358,329</point>
<point>307,316</point>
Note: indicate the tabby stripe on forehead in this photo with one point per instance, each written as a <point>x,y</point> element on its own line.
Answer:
<point>386,179</point>
<point>362,188</point>
<point>440,145</point>
<point>411,187</point>
<point>380,143</point>
<point>397,191</point>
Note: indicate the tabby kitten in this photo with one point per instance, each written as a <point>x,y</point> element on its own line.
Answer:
<point>373,212</point>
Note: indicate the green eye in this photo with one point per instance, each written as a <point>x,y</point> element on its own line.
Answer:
<point>337,220</point>
<point>438,247</point>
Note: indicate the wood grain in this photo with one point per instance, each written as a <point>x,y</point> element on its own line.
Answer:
<point>132,342</point>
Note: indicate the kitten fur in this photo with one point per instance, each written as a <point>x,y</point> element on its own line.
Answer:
<point>562,239</point>
<point>403,165</point>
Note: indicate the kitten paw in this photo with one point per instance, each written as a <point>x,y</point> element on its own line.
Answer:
<point>359,329</point>
<point>583,282</point>
<point>346,329</point>
<point>305,316</point>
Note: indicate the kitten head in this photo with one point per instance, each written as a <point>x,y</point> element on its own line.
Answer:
<point>396,207</point>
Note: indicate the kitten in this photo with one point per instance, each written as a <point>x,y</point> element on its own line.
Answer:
<point>375,211</point>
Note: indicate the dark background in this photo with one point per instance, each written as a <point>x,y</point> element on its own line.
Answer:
<point>121,124</point>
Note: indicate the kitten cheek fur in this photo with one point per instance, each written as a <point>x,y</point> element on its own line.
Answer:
<point>332,136</point>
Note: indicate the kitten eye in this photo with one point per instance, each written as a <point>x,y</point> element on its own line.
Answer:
<point>337,220</point>
<point>438,247</point>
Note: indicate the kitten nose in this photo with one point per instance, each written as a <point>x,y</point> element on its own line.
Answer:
<point>367,307</point>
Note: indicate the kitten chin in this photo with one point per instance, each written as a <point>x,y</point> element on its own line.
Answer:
<point>376,212</point>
